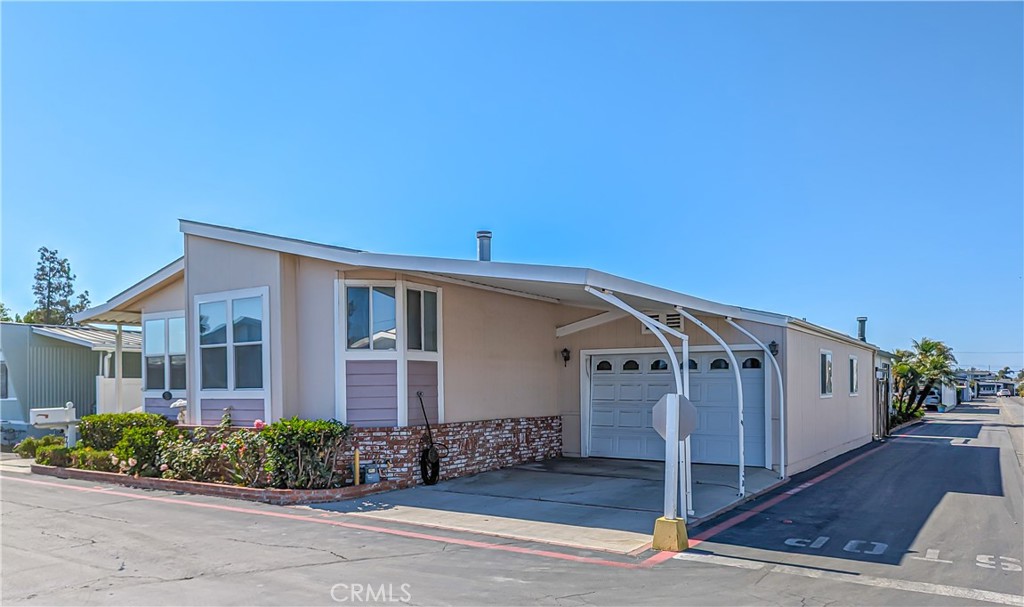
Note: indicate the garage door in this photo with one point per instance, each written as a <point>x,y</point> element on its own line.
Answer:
<point>625,388</point>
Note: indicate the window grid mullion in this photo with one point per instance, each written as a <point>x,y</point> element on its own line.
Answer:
<point>229,339</point>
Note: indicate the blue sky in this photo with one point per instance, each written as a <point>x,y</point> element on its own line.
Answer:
<point>821,160</point>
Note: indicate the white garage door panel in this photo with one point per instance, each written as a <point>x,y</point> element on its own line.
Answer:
<point>622,400</point>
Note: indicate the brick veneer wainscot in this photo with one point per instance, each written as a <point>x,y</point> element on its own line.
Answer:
<point>473,447</point>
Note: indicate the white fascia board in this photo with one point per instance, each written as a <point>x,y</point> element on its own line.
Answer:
<point>624,286</point>
<point>154,279</point>
<point>404,263</point>
<point>806,327</point>
<point>589,323</point>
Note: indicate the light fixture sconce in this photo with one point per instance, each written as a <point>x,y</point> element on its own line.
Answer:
<point>773,348</point>
<point>566,355</point>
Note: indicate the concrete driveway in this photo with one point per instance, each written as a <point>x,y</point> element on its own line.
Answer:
<point>597,504</point>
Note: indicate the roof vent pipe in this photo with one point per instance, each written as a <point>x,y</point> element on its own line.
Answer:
<point>483,245</point>
<point>862,331</point>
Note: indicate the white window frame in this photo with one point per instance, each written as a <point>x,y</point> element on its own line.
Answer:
<point>231,392</point>
<point>831,378</point>
<point>854,368</point>
<point>165,317</point>
<point>401,354</point>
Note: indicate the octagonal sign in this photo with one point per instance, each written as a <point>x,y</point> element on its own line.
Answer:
<point>687,415</point>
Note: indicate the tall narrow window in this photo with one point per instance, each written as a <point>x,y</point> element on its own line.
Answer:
<point>163,351</point>
<point>421,319</point>
<point>4,391</point>
<point>826,373</point>
<point>213,351</point>
<point>853,376</point>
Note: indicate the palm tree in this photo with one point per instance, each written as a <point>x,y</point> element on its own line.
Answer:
<point>934,362</point>
<point>1004,373</point>
<point>904,374</point>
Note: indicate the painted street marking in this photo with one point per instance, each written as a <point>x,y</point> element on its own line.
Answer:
<point>932,556</point>
<point>972,594</point>
<point>959,592</point>
<point>854,546</point>
<point>698,557</point>
<point>1005,563</point>
<point>802,543</point>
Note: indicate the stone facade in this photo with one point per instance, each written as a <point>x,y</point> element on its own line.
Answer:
<point>472,447</point>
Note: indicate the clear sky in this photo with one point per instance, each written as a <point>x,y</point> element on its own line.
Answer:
<point>821,160</point>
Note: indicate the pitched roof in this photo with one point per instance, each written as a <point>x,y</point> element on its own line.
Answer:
<point>92,337</point>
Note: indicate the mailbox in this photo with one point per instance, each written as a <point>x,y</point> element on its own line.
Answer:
<point>62,418</point>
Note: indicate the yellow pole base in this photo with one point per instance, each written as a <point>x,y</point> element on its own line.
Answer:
<point>670,535</point>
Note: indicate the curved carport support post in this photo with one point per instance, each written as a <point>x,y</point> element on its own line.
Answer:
<point>739,388</point>
<point>669,530</point>
<point>686,479</point>
<point>782,396</point>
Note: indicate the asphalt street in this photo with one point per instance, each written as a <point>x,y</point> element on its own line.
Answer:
<point>930,517</point>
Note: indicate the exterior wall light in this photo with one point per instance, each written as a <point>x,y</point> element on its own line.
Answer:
<point>773,348</point>
<point>566,355</point>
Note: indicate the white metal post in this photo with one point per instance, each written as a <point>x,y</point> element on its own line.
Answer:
<point>782,395</point>
<point>672,413</point>
<point>739,390</point>
<point>686,484</point>
<point>118,368</point>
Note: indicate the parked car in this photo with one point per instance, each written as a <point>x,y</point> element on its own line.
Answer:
<point>932,399</point>
<point>1003,392</point>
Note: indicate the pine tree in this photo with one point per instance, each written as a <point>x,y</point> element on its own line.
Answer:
<point>54,289</point>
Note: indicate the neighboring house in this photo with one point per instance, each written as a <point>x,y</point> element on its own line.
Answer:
<point>50,365</point>
<point>989,387</point>
<point>270,327</point>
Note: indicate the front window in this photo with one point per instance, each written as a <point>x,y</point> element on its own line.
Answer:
<point>231,354</point>
<point>372,319</point>
<point>826,373</point>
<point>163,347</point>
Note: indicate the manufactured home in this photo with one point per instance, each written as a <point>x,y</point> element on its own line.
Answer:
<point>267,327</point>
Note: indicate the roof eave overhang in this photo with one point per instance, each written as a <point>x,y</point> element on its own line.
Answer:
<point>118,310</point>
<point>829,333</point>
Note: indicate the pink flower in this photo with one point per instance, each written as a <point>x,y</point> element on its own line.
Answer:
<point>259,424</point>
<point>223,446</point>
<point>132,461</point>
<point>164,467</point>
<point>159,432</point>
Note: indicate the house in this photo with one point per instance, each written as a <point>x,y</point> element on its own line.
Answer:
<point>514,361</point>
<point>50,365</point>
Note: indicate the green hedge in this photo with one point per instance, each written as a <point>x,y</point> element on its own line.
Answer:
<point>27,447</point>
<point>53,455</point>
<point>103,431</point>
<point>88,458</point>
<point>301,453</point>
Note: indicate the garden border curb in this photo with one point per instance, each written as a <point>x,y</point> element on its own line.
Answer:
<point>280,497</point>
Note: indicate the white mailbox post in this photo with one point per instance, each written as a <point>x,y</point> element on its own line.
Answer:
<point>62,418</point>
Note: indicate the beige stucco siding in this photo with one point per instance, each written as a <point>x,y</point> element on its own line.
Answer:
<point>627,333</point>
<point>213,266</point>
<point>500,358</point>
<point>314,329</point>
<point>820,428</point>
<point>171,298</point>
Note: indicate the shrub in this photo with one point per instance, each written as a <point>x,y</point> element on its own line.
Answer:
<point>103,431</point>
<point>247,458</point>
<point>27,448</point>
<point>53,455</point>
<point>190,456</point>
<point>903,412</point>
<point>301,453</point>
<point>88,458</point>
<point>138,450</point>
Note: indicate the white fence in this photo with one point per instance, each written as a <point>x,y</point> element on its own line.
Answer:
<point>106,394</point>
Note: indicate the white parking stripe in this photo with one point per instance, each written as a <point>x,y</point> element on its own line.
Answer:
<point>958,592</point>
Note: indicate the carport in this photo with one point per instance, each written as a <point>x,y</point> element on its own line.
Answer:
<point>590,503</point>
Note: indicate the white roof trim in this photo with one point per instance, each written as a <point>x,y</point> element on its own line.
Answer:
<point>582,277</point>
<point>94,313</point>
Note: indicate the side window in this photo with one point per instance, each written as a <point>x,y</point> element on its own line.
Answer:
<point>853,376</point>
<point>231,352</point>
<point>4,392</point>
<point>825,372</point>
<point>163,348</point>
